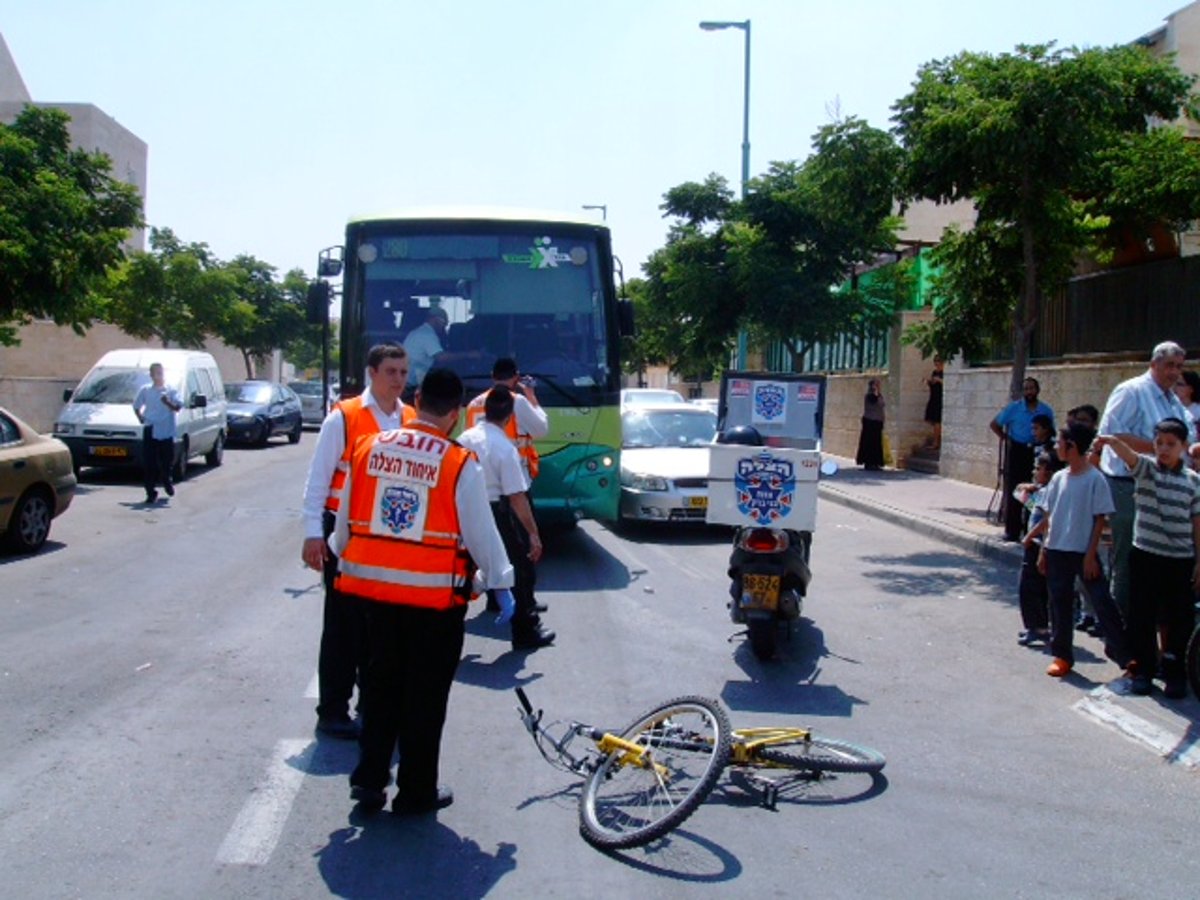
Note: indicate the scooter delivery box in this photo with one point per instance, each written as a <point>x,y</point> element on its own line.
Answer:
<point>773,486</point>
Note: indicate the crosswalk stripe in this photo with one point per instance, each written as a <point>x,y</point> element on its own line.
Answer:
<point>1182,749</point>
<point>258,827</point>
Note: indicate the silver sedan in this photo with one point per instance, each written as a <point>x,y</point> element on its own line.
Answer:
<point>664,462</point>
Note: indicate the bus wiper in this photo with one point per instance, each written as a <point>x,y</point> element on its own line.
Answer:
<point>558,388</point>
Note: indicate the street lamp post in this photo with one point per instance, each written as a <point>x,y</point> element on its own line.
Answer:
<point>600,206</point>
<point>744,26</point>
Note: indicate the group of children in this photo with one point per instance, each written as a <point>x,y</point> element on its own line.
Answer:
<point>1068,503</point>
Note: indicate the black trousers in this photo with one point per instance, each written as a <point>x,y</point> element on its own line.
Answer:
<point>1018,467</point>
<point>1033,593</point>
<point>343,654</point>
<point>1062,570</point>
<point>516,544</point>
<point>1160,590</point>
<point>413,655</point>
<point>157,457</point>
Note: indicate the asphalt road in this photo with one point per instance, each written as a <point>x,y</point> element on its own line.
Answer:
<point>157,667</point>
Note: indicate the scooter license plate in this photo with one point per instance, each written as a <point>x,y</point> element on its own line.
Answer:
<point>760,591</point>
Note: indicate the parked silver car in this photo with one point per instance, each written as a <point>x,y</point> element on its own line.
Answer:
<point>664,462</point>
<point>313,406</point>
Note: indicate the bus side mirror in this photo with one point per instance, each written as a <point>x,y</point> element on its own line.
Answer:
<point>625,318</point>
<point>317,303</point>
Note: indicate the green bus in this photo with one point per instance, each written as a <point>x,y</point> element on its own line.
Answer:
<point>537,287</point>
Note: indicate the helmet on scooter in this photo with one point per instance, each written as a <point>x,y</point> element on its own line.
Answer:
<point>741,434</point>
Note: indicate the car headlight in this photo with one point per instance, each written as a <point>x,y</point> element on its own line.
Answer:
<point>63,428</point>
<point>640,482</point>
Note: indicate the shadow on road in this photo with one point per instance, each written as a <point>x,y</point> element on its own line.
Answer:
<point>789,684</point>
<point>382,855</point>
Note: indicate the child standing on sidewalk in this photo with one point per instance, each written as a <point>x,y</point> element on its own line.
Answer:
<point>1076,502</point>
<point>1031,587</point>
<point>1162,563</point>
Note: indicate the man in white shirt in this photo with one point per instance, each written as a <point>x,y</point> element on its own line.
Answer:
<point>506,488</point>
<point>1133,409</point>
<point>155,406</point>
<point>378,408</point>
<point>425,347</point>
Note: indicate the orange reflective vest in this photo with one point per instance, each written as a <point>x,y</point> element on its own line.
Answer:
<point>405,541</point>
<point>357,421</point>
<point>525,448</point>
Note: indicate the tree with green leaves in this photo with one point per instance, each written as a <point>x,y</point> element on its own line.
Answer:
<point>1055,148</point>
<point>63,219</point>
<point>175,293</point>
<point>264,314</point>
<point>770,263</point>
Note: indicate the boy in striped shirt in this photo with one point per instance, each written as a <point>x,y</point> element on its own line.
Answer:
<point>1162,563</point>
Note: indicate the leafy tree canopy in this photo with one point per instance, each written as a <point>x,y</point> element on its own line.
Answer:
<point>175,293</point>
<point>1052,146</point>
<point>264,313</point>
<point>769,263</point>
<point>63,218</point>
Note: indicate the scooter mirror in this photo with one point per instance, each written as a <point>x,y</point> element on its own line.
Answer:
<point>829,467</point>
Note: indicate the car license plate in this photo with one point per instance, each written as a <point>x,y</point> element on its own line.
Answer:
<point>696,502</point>
<point>109,451</point>
<point>760,591</point>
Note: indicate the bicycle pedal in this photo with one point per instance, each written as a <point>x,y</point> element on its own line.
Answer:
<point>770,796</point>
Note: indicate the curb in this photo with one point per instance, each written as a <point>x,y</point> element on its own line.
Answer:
<point>987,547</point>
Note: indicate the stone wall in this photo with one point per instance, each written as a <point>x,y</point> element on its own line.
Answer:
<point>970,451</point>
<point>51,359</point>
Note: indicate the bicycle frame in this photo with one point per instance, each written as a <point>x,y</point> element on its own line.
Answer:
<point>747,742</point>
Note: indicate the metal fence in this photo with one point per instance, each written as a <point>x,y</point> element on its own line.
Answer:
<point>1122,310</point>
<point>849,353</point>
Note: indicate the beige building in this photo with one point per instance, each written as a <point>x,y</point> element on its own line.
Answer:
<point>49,359</point>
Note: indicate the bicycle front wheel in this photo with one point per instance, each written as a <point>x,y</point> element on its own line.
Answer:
<point>818,754</point>
<point>628,802</point>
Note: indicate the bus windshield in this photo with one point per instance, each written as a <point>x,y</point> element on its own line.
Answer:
<point>538,298</point>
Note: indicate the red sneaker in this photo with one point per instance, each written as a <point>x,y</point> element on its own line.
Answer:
<point>1058,668</point>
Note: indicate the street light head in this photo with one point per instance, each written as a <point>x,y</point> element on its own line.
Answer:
<point>718,26</point>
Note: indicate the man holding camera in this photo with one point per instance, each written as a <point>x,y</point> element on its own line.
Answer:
<point>527,423</point>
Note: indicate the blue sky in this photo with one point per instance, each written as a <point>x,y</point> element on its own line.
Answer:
<point>271,123</point>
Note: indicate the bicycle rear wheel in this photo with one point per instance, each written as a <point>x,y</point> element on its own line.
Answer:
<point>818,754</point>
<point>624,804</point>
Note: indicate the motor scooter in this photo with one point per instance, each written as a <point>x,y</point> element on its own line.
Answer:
<point>769,577</point>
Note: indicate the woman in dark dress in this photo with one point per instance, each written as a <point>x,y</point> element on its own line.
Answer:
<point>933,409</point>
<point>870,439</point>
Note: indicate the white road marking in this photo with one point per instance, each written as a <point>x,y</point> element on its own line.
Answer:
<point>1101,705</point>
<point>313,691</point>
<point>257,829</point>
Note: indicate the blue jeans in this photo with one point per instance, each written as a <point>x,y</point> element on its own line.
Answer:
<point>1062,568</point>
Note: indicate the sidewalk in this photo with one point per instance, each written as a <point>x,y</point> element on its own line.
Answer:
<point>954,512</point>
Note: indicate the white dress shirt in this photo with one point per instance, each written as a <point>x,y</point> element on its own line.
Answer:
<point>503,474</point>
<point>422,346</point>
<point>1134,407</point>
<point>331,444</point>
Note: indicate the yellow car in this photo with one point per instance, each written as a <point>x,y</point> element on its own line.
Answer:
<point>37,483</point>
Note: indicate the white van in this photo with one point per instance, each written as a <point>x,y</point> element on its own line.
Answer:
<point>100,427</point>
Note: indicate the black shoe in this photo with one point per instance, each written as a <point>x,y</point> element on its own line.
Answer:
<point>1085,623</point>
<point>406,807</point>
<point>540,607</point>
<point>1140,685</point>
<point>1174,688</point>
<point>151,496</point>
<point>170,489</point>
<point>368,798</point>
<point>341,727</point>
<point>534,640</point>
